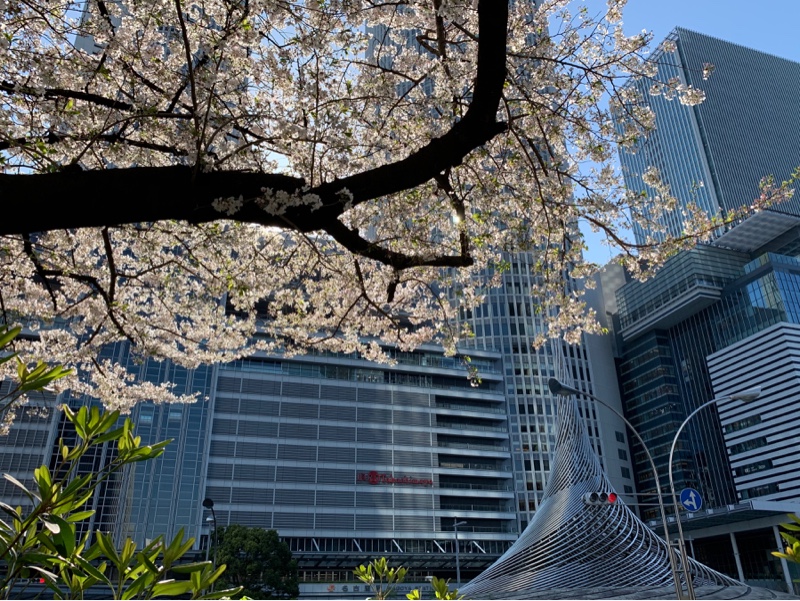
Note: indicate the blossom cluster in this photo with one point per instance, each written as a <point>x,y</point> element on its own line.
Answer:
<point>318,91</point>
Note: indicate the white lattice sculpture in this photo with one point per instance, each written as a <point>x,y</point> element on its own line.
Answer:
<point>569,544</point>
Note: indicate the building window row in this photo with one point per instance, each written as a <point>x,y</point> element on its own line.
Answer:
<point>748,445</point>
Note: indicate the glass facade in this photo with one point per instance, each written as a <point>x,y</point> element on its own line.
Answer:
<point>343,457</point>
<point>664,373</point>
<point>162,496</point>
<point>715,154</point>
<point>27,444</point>
<point>347,459</point>
<point>508,320</point>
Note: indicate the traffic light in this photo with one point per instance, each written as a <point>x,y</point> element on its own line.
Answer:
<point>600,498</point>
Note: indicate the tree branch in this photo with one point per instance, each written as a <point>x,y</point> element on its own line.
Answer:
<point>74,199</point>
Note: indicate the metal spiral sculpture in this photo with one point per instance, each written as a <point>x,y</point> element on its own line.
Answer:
<point>569,544</point>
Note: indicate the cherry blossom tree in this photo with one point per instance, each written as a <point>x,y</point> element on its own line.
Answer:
<point>330,173</point>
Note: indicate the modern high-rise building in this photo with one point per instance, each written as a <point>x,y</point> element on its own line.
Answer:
<point>349,460</point>
<point>346,459</point>
<point>507,322</point>
<point>719,319</point>
<point>715,154</point>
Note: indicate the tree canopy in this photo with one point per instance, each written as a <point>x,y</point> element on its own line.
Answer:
<point>179,173</point>
<point>258,561</point>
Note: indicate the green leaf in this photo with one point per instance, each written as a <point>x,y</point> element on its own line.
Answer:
<point>137,586</point>
<point>107,547</point>
<point>7,335</point>
<point>8,358</point>
<point>47,574</point>
<point>10,510</point>
<point>66,535</point>
<point>227,593</point>
<point>177,548</point>
<point>44,481</point>
<point>79,516</point>
<point>148,564</point>
<point>789,538</point>
<point>51,526</point>
<point>171,588</point>
<point>187,568</point>
<point>95,572</point>
<point>19,484</point>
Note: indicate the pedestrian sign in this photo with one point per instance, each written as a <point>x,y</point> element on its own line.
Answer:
<point>691,499</point>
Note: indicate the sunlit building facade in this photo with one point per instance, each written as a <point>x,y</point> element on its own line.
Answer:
<point>719,319</point>
<point>715,154</point>
<point>508,322</point>
<point>346,459</point>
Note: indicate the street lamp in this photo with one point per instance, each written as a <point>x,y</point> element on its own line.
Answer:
<point>209,520</point>
<point>456,524</point>
<point>208,503</point>
<point>746,396</point>
<point>559,389</point>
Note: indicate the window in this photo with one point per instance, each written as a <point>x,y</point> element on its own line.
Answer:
<point>620,436</point>
<point>626,473</point>
<point>752,468</point>
<point>748,445</point>
<point>743,423</point>
<point>623,454</point>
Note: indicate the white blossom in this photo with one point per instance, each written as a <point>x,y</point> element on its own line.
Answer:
<point>314,93</point>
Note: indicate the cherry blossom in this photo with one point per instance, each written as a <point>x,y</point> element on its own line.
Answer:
<point>212,178</point>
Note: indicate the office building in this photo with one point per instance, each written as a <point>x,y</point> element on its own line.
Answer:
<point>715,154</point>
<point>715,320</point>
<point>350,460</point>
<point>507,322</point>
<point>347,460</point>
<point>27,445</point>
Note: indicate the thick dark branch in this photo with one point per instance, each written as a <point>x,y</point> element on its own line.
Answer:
<point>355,243</point>
<point>116,138</point>
<point>478,126</point>
<point>74,199</point>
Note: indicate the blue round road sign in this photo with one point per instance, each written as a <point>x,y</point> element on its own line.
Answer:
<point>691,499</point>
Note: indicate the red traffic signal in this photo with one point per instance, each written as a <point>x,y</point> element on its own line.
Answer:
<point>600,498</point>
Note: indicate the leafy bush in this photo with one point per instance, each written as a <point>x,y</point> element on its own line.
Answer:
<point>793,549</point>
<point>41,540</point>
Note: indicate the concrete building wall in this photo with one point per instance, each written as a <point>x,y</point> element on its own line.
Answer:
<point>761,437</point>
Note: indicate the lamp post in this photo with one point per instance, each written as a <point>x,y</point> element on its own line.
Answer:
<point>456,524</point>
<point>208,542</point>
<point>745,396</point>
<point>208,503</point>
<point>559,389</point>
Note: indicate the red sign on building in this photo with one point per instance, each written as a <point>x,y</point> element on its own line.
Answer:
<point>376,478</point>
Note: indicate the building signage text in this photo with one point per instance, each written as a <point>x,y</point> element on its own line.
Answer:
<point>376,478</point>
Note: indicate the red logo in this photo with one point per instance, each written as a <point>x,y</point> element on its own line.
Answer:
<point>331,588</point>
<point>374,478</point>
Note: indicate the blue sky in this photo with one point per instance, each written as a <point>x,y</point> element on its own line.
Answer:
<point>768,25</point>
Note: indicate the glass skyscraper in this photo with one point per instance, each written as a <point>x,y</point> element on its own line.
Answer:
<point>508,321</point>
<point>715,154</point>
<point>699,305</point>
